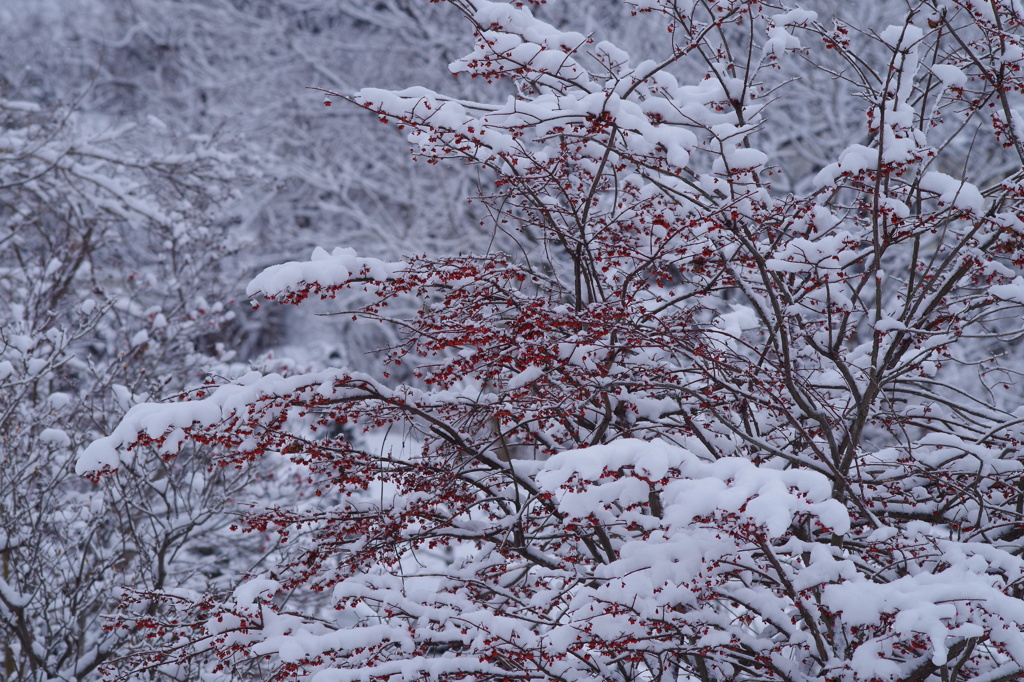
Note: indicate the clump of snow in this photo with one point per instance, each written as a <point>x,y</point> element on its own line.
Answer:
<point>952,192</point>
<point>327,270</point>
<point>951,76</point>
<point>56,437</point>
<point>901,37</point>
<point>1014,291</point>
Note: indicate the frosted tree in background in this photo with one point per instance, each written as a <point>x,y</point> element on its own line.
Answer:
<point>136,179</point>
<point>192,71</point>
<point>102,265</point>
<point>709,414</point>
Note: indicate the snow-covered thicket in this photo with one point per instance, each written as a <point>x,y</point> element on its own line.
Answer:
<point>103,259</point>
<point>140,179</point>
<point>732,396</point>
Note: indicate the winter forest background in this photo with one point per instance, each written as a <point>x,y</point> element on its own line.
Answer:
<point>686,345</point>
